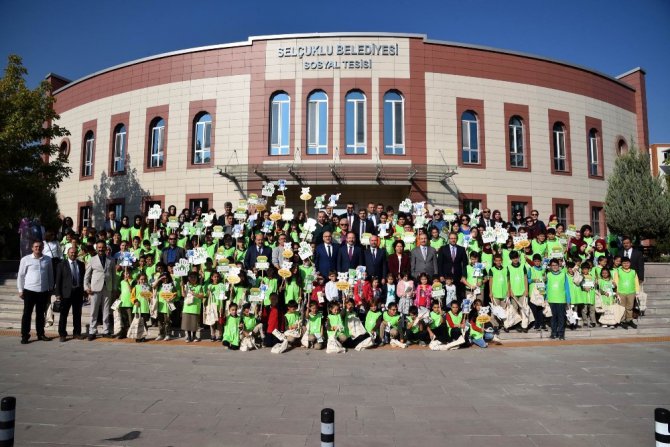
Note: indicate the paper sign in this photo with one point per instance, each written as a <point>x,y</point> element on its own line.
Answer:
<point>310,225</point>
<point>418,208</point>
<point>419,222</point>
<point>255,295</point>
<point>360,271</point>
<point>318,201</point>
<point>479,267</point>
<point>181,268</point>
<point>252,199</point>
<point>332,200</point>
<point>267,226</point>
<point>449,216</point>
<point>280,200</point>
<point>489,235</point>
<point>186,228</point>
<point>438,290</point>
<point>268,190</point>
<point>281,184</point>
<point>405,206</point>
<point>197,256</point>
<point>155,212</point>
<point>383,229</point>
<point>217,231</point>
<point>155,239</point>
<point>237,231</point>
<point>305,250</point>
<point>287,214</point>
<point>409,238</point>
<point>571,231</point>
<point>173,222</point>
<point>520,240</point>
<point>365,238</point>
<point>501,235</point>
<point>343,276</point>
<point>126,258</point>
<point>240,215</point>
<point>262,263</point>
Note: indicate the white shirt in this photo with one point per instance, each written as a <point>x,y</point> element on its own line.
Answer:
<point>52,249</point>
<point>331,291</point>
<point>35,274</point>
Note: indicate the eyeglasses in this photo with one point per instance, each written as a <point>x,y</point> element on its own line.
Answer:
<point>533,214</point>
<point>172,239</point>
<point>344,225</point>
<point>487,212</point>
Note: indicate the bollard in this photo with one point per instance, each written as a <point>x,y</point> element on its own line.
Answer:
<point>327,427</point>
<point>7,416</point>
<point>662,419</point>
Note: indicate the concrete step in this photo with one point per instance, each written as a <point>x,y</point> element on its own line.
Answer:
<point>662,289</point>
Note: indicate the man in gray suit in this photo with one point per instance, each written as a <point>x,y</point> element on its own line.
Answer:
<point>423,258</point>
<point>99,285</point>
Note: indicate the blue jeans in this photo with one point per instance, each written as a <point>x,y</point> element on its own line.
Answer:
<point>557,319</point>
<point>481,342</point>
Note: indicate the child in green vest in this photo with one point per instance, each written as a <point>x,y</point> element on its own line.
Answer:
<point>478,335</point>
<point>588,296</point>
<point>517,279</point>
<point>165,291</point>
<point>216,296</point>
<point>335,327</point>
<point>373,320</point>
<point>141,296</point>
<point>605,288</point>
<point>455,321</point>
<point>293,323</point>
<point>558,297</point>
<point>250,325</point>
<point>193,293</point>
<point>537,280</point>
<point>499,284</point>
<point>126,305</point>
<point>231,329</point>
<point>415,328</point>
<point>437,330</point>
<point>390,327</point>
<point>314,327</point>
<point>472,280</point>
<point>628,288</point>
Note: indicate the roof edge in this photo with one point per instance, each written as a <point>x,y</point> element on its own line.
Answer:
<point>631,71</point>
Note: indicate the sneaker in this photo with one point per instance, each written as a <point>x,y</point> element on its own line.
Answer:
<point>632,324</point>
<point>496,340</point>
<point>552,337</point>
<point>545,328</point>
<point>167,338</point>
<point>188,340</point>
<point>198,340</point>
<point>592,324</point>
<point>604,325</point>
<point>562,337</point>
<point>160,338</point>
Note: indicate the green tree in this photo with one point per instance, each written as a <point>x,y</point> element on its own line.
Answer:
<point>636,204</point>
<point>31,167</point>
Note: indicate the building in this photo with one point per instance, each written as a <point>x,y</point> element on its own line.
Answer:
<point>660,159</point>
<point>375,116</point>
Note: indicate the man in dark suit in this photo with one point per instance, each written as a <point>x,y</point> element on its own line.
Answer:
<point>173,253</point>
<point>325,256</point>
<point>374,260</point>
<point>485,220</point>
<point>69,289</point>
<point>350,215</point>
<point>362,225</point>
<point>111,224</point>
<point>636,263</point>
<point>256,250</point>
<point>349,256</point>
<point>424,259</point>
<point>452,260</point>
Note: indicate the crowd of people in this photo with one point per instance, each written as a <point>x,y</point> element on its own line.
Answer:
<point>264,276</point>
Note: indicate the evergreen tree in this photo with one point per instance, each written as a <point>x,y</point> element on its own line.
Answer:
<point>31,167</point>
<point>636,204</point>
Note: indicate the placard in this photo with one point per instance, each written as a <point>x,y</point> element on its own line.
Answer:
<point>305,250</point>
<point>217,232</point>
<point>240,215</point>
<point>197,256</point>
<point>304,194</point>
<point>255,295</point>
<point>125,258</point>
<point>332,200</point>
<point>181,268</point>
<point>268,190</point>
<point>489,235</point>
<point>155,212</point>
<point>287,214</point>
<point>155,239</point>
<point>409,238</point>
<point>405,206</point>
<point>173,222</point>
<point>438,290</point>
<point>318,201</point>
<point>365,238</point>
<point>262,263</point>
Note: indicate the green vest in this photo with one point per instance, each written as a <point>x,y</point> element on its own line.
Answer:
<point>436,320</point>
<point>144,303</point>
<point>393,321</point>
<point>196,307</point>
<point>537,276</point>
<point>292,318</point>
<point>456,319</point>
<point>292,292</point>
<point>487,260</point>
<point>539,248</point>
<point>371,320</point>
<point>335,321</point>
<point>606,287</point>
<point>249,322</point>
<point>125,289</point>
<point>499,285</point>
<point>314,323</point>
<point>217,291</point>
<point>240,295</point>
<point>162,304</point>
<point>231,330</point>
<point>626,283</point>
<point>517,279</point>
<point>589,296</point>
<point>556,287</point>
<point>135,232</point>
<point>437,243</point>
<point>125,234</point>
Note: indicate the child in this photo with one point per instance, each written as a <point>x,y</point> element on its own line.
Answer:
<point>536,288</point>
<point>606,288</point>
<point>358,337</point>
<point>140,297</point>
<point>628,288</point>
<point>373,321</point>
<point>449,289</point>
<point>271,321</point>
<point>455,322</point>
<point>216,295</point>
<point>293,323</point>
<point>332,294</point>
<point>478,336</point>
<point>499,285</point>
<point>335,328</point>
<point>415,328</point>
<point>126,305</point>
<point>193,293</point>
<point>558,296</point>
<point>165,291</point>
<point>436,328</point>
<point>231,329</point>
<point>390,290</point>
<point>406,293</point>
<point>472,280</point>
<point>390,327</point>
<point>424,292</point>
<point>251,325</point>
<point>574,278</point>
<point>314,327</point>
<point>588,296</point>
<point>518,288</point>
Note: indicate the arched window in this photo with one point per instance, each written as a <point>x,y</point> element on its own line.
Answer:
<point>516,153</point>
<point>470,137</point>
<point>156,136</point>
<point>64,149</point>
<point>317,123</point>
<point>355,123</point>
<point>120,139</point>
<point>394,123</point>
<point>280,124</point>
<point>622,147</point>
<point>593,152</point>
<point>202,139</point>
<point>87,162</point>
<point>559,158</point>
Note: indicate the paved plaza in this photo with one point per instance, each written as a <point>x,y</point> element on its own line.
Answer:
<point>113,394</point>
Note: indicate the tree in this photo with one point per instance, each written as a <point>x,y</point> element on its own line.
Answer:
<point>31,167</point>
<point>636,204</point>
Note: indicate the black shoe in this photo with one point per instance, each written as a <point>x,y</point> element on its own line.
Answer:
<point>562,337</point>
<point>24,341</point>
<point>525,331</point>
<point>107,336</point>
<point>91,337</point>
<point>642,313</point>
<point>44,338</point>
<point>624,325</point>
<point>632,324</point>
<point>79,337</point>
<point>121,337</point>
<point>552,336</point>
<point>62,338</point>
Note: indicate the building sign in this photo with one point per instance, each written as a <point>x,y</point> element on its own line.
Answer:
<point>361,55</point>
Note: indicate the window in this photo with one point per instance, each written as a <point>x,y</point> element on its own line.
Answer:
<point>470,138</point>
<point>559,148</point>
<point>202,203</point>
<point>156,151</point>
<point>355,123</point>
<point>84,217</point>
<point>469,205</point>
<point>118,207</point>
<point>87,165</point>
<point>516,155</point>
<point>202,139</point>
<point>520,206</point>
<point>317,123</point>
<point>394,124</point>
<point>64,149</point>
<point>120,139</point>
<point>622,147</point>
<point>596,213</point>
<point>593,153</point>
<point>279,124</point>
<point>561,211</point>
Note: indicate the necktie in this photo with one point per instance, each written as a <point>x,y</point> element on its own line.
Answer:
<point>423,251</point>
<point>453,252</point>
<point>102,261</point>
<point>351,252</point>
<point>362,227</point>
<point>328,250</point>
<point>73,267</point>
<point>113,225</point>
<point>374,253</point>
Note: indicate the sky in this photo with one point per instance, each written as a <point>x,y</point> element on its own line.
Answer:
<point>77,38</point>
